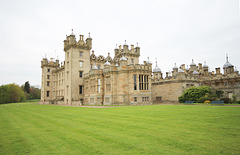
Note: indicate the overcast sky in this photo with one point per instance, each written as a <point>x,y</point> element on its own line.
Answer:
<point>173,31</point>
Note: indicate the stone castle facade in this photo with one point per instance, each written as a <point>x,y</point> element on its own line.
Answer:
<point>86,79</point>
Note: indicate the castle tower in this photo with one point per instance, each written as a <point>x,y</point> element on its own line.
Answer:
<point>48,67</point>
<point>228,68</point>
<point>193,66</point>
<point>77,63</point>
<point>132,55</point>
<point>157,73</point>
<point>205,69</point>
<point>175,70</point>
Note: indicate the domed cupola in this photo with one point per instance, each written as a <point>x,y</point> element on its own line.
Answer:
<point>156,69</point>
<point>123,58</point>
<point>195,72</point>
<point>180,70</point>
<point>205,65</point>
<point>107,63</point>
<point>192,64</point>
<point>227,64</point>
<point>175,66</point>
<point>95,67</point>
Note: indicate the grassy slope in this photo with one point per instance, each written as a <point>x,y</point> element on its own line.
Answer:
<point>157,129</point>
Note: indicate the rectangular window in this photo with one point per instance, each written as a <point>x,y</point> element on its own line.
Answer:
<point>143,82</point>
<point>91,100</point>
<point>132,61</point>
<point>80,89</point>
<point>48,93</point>
<point>48,70</point>
<point>80,54</point>
<point>48,83</point>
<point>98,66</point>
<point>91,66</point>
<point>147,82</point>
<point>67,54</point>
<point>140,82</point>
<point>98,100</point>
<point>67,65</point>
<point>80,74</point>
<point>135,99</point>
<point>135,81</point>
<point>108,84</point>
<point>99,82</point>
<point>48,76</point>
<point>80,64</point>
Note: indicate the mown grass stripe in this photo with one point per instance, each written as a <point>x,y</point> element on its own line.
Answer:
<point>167,129</point>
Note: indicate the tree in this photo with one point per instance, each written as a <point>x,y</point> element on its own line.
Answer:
<point>27,87</point>
<point>35,92</point>
<point>4,94</point>
<point>16,93</point>
<point>11,93</point>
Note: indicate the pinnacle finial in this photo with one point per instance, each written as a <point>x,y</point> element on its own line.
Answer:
<point>125,42</point>
<point>137,44</point>
<point>89,35</point>
<point>227,57</point>
<point>116,46</point>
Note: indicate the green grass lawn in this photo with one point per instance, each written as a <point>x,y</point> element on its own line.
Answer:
<point>156,129</point>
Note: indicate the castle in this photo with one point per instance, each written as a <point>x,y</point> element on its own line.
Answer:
<point>87,79</point>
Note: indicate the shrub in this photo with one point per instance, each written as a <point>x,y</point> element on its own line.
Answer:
<point>202,99</point>
<point>238,101</point>
<point>194,94</point>
<point>181,99</point>
<point>234,98</point>
<point>226,100</point>
<point>219,93</point>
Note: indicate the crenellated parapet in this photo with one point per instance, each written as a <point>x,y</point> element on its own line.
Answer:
<point>81,44</point>
<point>100,58</point>
<point>49,63</point>
<point>132,52</point>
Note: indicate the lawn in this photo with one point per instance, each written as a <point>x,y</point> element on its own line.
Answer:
<point>155,129</point>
